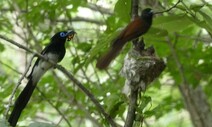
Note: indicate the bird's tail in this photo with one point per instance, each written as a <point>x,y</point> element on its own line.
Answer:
<point>104,61</point>
<point>21,102</point>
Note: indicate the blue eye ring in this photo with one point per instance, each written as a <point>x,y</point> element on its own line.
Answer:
<point>62,34</point>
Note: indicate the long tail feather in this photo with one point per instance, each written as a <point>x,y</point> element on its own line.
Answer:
<point>21,102</point>
<point>104,61</point>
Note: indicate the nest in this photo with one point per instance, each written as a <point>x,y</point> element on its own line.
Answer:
<point>141,68</point>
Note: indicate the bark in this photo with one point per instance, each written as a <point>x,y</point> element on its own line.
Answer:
<point>197,106</point>
<point>140,69</point>
<point>194,98</point>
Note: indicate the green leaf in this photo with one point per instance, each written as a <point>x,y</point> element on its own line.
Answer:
<point>1,47</point>
<point>207,18</point>
<point>102,45</point>
<point>149,113</point>
<point>158,112</point>
<point>85,47</point>
<point>196,7</point>
<point>113,105</point>
<point>181,7</point>
<point>113,24</point>
<point>156,33</point>
<point>77,3</point>
<point>172,23</point>
<point>145,101</point>
<point>122,10</point>
<point>201,23</point>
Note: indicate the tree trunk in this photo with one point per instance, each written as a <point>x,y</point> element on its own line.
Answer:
<point>197,106</point>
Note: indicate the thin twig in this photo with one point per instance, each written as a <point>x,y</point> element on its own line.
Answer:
<point>88,93</point>
<point>179,65</point>
<point>169,8</point>
<point>83,71</point>
<point>195,38</point>
<point>188,10</point>
<point>16,87</point>
<point>64,91</point>
<point>81,19</point>
<point>8,66</point>
<point>71,99</point>
<point>95,74</point>
<point>18,34</point>
<point>58,123</point>
<point>70,76</point>
<point>21,46</point>
<point>55,107</point>
<point>194,16</point>
<point>100,9</point>
<point>109,75</point>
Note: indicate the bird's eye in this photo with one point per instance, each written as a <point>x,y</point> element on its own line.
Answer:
<point>62,34</point>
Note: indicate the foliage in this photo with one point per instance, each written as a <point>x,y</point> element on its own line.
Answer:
<point>32,23</point>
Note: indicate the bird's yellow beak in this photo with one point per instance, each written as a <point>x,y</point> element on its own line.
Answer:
<point>70,35</point>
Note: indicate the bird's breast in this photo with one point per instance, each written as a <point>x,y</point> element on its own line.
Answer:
<point>43,65</point>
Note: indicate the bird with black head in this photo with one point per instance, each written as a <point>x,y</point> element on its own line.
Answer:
<point>54,52</point>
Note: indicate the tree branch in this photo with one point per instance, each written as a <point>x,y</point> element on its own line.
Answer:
<point>81,19</point>
<point>71,99</point>
<point>70,77</point>
<point>99,8</point>
<point>8,66</point>
<point>132,108</point>
<point>55,107</point>
<point>88,93</point>
<point>16,87</point>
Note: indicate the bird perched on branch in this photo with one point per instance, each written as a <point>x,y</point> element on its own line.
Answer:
<point>139,26</point>
<point>54,52</point>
